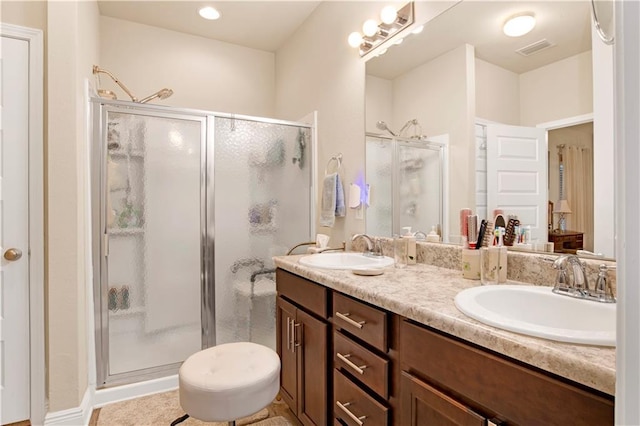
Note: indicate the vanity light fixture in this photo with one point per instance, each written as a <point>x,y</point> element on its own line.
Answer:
<point>519,25</point>
<point>375,34</point>
<point>418,30</point>
<point>209,13</point>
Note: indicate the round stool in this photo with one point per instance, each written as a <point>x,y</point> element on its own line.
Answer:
<point>228,382</point>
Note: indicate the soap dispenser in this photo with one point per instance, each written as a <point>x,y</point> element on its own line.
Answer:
<point>432,236</point>
<point>411,245</point>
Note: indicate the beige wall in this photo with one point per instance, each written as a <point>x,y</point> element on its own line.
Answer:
<point>203,73</point>
<point>72,48</point>
<point>497,93</point>
<point>379,104</point>
<point>560,90</point>
<point>32,14</point>
<point>441,95</point>
<point>317,70</point>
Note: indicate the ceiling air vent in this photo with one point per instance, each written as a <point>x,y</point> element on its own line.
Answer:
<point>535,47</point>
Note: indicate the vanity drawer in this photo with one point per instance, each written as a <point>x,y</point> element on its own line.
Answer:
<point>353,406</point>
<point>361,363</point>
<point>363,321</point>
<point>494,384</point>
<point>303,292</point>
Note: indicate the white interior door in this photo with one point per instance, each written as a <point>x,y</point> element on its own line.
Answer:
<point>517,175</point>
<point>14,230</point>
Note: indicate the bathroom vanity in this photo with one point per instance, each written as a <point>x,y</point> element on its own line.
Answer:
<point>394,350</point>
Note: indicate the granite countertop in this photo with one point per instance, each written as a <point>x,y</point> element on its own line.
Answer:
<point>425,294</point>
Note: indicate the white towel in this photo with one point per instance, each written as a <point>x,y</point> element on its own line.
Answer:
<point>341,210</point>
<point>328,205</point>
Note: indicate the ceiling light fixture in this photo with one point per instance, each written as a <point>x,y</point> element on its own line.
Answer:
<point>209,13</point>
<point>375,34</point>
<point>388,14</point>
<point>519,25</point>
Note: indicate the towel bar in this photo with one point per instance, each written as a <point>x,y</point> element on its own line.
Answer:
<point>337,159</point>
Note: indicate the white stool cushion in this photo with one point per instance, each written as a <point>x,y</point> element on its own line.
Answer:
<point>229,381</point>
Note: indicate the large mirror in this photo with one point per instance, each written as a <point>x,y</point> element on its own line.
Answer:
<point>518,114</point>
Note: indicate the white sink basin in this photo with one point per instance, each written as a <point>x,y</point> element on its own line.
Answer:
<point>345,260</point>
<point>536,311</point>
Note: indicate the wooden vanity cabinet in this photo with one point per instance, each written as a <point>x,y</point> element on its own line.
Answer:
<point>443,376</point>
<point>346,362</point>
<point>302,342</point>
<point>364,357</point>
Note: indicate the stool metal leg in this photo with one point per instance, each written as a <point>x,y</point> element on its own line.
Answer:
<point>179,420</point>
<point>233,423</point>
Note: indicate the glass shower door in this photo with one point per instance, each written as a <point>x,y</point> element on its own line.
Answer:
<point>153,222</point>
<point>262,208</point>
<point>379,172</point>
<point>420,183</point>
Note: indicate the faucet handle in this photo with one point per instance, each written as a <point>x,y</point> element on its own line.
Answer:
<point>603,291</point>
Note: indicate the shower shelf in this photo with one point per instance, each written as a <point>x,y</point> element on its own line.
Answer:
<point>126,231</point>
<point>126,312</point>
<point>122,153</point>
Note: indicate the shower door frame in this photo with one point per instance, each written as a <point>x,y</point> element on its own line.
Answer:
<point>441,148</point>
<point>99,109</point>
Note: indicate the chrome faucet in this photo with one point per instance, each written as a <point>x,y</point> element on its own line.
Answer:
<point>578,286</point>
<point>374,248</point>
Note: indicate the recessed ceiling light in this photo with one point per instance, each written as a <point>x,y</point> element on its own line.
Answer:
<point>519,25</point>
<point>209,13</point>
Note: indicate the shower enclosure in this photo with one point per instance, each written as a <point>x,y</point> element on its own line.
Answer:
<point>188,208</point>
<point>408,181</point>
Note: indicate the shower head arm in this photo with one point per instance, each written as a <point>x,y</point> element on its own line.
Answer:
<point>97,69</point>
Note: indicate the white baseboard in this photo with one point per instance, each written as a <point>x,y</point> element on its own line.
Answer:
<point>73,416</point>
<point>135,390</point>
<point>99,398</point>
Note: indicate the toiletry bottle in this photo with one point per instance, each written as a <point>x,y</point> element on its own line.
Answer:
<point>411,245</point>
<point>433,237</point>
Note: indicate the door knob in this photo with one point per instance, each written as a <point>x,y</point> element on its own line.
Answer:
<point>13,254</point>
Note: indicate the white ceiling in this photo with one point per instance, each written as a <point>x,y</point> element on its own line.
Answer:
<point>263,25</point>
<point>266,25</point>
<point>479,23</point>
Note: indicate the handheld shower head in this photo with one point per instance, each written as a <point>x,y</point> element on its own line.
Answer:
<point>160,94</point>
<point>383,126</point>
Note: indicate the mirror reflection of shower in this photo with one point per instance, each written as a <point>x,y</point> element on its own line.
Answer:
<point>417,129</point>
<point>109,94</point>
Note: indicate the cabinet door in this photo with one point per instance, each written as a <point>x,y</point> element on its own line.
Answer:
<point>311,339</point>
<point>423,405</point>
<point>285,319</point>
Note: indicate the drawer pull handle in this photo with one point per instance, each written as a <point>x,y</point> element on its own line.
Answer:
<point>345,317</point>
<point>355,418</point>
<point>288,333</point>
<point>345,359</point>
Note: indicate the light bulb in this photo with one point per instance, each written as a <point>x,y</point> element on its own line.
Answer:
<point>399,41</point>
<point>418,30</point>
<point>370,28</point>
<point>355,39</point>
<point>382,52</point>
<point>388,14</point>
<point>209,13</point>
<point>519,25</point>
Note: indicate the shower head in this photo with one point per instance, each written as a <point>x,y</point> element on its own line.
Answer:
<point>103,93</point>
<point>160,94</point>
<point>413,122</point>
<point>383,126</point>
